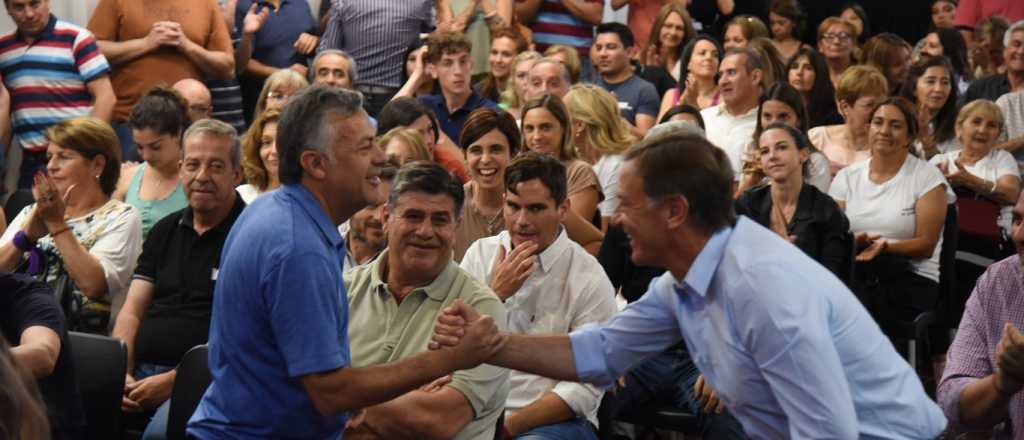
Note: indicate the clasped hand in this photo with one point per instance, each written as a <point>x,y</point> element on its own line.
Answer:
<point>469,337</point>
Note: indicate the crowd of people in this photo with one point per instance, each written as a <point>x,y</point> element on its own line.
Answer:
<point>482,219</point>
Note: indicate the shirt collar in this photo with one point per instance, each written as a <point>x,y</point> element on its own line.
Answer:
<point>188,218</point>
<point>305,199</point>
<point>46,32</point>
<point>471,102</point>
<point>437,290</point>
<point>703,269</point>
<point>723,111</point>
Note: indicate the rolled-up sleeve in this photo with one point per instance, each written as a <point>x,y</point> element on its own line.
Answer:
<point>968,357</point>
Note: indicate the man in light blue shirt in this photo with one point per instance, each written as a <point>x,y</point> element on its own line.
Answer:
<point>783,342</point>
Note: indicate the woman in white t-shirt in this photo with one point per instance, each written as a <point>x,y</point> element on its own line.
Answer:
<point>896,204</point>
<point>980,169</point>
<point>601,136</point>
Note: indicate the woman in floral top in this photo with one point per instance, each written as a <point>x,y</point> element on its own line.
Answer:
<point>75,230</point>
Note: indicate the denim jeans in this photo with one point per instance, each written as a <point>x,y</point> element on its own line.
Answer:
<point>666,379</point>
<point>157,427</point>
<point>579,429</point>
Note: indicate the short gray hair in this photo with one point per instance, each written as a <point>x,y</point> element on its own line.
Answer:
<point>753,58</point>
<point>215,128</point>
<point>428,178</point>
<point>677,128</point>
<point>1015,27</point>
<point>305,125</point>
<point>352,70</point>
<point>566,75</point>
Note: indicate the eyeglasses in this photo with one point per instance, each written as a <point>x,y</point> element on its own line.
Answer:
<point>840,37</point>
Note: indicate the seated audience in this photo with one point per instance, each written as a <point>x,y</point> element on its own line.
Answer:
<point>415,80</point>
<point>448,58</point>
<point>514,96</point>
<point>611,53</point>
<point>51,70</point>
<point>698,76</point>
<point>943,14</point>
<point>859,90</point>
<point>601,136</point>
<point>393,304</point>
<point>672,29</point>
<point>168,307</point>
<point>35,331</point>
<point>836,39</point>
<point>364,231</point>
<point>75,231</point>
<point>492,139</point>
<point>731,124</point>
<point>808,74</point>
<point>197,96</point>
<point>549,284</point>
<point>891,55</point>
<point>154,186</point>
<point>987,54</point>
<point>259,157</point>
<point>404,144</point>
<point>279,87</point>
<point>896,204</point>
<point>335,68</point>
<point>797,211</point>
<point>1012,80</point>
<point>409,112</point>
<point>782,103</point>
<point>548,76</point>
<point>983,379</point>
<point>980,171</point>
<point>741,29</point>
<point>1012,105</point>
<point>506,44</point>
<point>931,88</point>
<point>786,21</point>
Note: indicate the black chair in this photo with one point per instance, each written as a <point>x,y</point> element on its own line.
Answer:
<point>189,386</point>
<point>100,366</point>
<point>16,202</point>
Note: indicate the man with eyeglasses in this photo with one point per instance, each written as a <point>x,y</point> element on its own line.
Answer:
<point>198,97</point>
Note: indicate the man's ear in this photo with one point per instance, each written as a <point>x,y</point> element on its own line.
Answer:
<point>563,209</point>
<point>632,51</point>
<point>757,75</point>
<point>313,164</point>
<point>678,211</point>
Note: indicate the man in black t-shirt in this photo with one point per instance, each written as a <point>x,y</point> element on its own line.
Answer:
<point>170,300</point>
<point>33,324</point>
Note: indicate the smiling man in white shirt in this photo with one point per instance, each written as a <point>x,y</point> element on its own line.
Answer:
<point>731,124</point>
<point>549,285</point>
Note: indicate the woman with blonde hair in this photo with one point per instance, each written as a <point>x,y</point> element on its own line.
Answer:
<point>405,144</point>
<point>601,136</point>
<point>514,96</point>
<point>278,87</point>
<point>673,28</point>
<point>259,156</point>
<point>860,88</point>
<point>836,39</point>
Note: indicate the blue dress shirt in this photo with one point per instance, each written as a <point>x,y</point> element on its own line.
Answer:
<point>784,343</point>
<point>279,312</point>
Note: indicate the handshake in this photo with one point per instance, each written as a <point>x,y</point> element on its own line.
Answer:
<point>468,337</point>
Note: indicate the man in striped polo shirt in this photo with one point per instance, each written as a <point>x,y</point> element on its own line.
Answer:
<point>54,71</point>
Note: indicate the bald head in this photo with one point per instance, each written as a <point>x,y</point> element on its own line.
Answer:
<point>198,97</point>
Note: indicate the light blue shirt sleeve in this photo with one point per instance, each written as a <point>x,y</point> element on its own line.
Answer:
<point>791,342</point>
<point>603,353</point>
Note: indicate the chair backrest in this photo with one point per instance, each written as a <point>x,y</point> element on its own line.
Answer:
<point>189,386</point>
<point>947,268</point>
<point>100,366</point>
<point>17,201</point>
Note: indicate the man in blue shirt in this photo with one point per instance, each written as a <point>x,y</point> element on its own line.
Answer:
<point>783,342</point>
<point>279,350</point>
<point>449,61</point>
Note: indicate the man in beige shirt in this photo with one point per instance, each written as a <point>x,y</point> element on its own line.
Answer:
<point>393,306</point>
